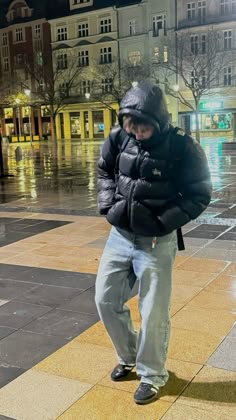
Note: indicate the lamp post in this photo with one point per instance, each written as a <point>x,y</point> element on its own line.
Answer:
<point>28,93</point>
<point>18,101</point>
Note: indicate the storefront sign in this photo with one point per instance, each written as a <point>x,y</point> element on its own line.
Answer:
<point>211,105</point>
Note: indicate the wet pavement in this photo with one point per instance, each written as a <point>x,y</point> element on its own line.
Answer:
<point>62,179</point>
<point>53,350</point>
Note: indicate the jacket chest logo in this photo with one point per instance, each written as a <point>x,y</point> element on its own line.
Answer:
<point>156,172</point>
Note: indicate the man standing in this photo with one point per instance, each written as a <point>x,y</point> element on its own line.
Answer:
<point>152,179</point>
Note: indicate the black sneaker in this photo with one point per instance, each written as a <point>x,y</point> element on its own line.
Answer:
<point>145,393</point>
<point>121,371</point>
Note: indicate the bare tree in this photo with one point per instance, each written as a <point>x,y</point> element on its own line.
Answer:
<point>197,62</point>
<point>54,83</point>
<point>112,80</point>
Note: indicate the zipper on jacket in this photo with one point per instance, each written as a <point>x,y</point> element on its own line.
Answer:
<point>130,200</point>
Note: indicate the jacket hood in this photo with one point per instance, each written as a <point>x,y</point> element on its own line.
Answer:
<point>146,101</point>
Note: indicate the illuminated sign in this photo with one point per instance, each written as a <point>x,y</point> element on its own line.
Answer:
<point>211,105</point>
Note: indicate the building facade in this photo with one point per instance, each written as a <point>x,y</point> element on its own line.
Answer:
<point>24,38</point>
<point>145,30</point>
<point>86,35</point>
<point>217,108</point>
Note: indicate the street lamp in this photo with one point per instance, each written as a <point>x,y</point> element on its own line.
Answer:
<point>134,83</point>
<point>176,88</point>
<point>87,95</point>
<point>28,93</point>
<point>18,101</point>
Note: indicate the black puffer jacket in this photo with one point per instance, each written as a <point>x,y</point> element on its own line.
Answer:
<point>156,190</point>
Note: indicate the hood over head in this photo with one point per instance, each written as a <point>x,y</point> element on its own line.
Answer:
<point>146,101</point>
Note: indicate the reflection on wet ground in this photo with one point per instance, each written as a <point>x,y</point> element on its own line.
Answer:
<point>62,178</point>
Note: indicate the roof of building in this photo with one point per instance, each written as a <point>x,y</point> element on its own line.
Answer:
<point>51,9</point>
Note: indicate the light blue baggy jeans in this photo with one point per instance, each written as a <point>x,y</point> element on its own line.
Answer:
<point>126,257</point>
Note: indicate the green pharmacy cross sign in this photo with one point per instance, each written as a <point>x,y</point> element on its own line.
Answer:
<point>211,105</point>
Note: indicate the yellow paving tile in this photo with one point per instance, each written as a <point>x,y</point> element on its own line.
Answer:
<point>222,282</point>
<point>203,265</point>
<point>191,346</point>
<point>181,293</point>
<point>180,412</point>
<point>214,390</point>
<point>175,307</point>
<point>102,403</point>
<point>181,373</point>
<point>39,396</point>
<point>179,259</point>
<point>230,270</point>
<point>214,300</point>
<point>210,321</point>
<point>82,361</point>
<point>192,278</point>
<point>97,335</point>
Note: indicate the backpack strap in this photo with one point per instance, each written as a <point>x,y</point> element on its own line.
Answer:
<point>177,147</point>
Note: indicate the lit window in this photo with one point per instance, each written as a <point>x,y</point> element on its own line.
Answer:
<point>135,58</point>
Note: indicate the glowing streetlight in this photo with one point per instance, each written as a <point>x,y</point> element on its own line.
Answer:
<point>176,88</point>
<point>134,84</point>
<point>87,95</point>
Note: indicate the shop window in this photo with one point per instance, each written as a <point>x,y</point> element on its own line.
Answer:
<point>212,121</point>
<point>98,124</point>
<point>75,125</point>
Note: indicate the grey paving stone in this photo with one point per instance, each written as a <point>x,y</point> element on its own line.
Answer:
<point>213,228</point>
<point>232,333</point>
<point>24,349</point>
<point>59,278</point>
<point>10,289</point>
<point>8,374</point>
<point>12,271</point>
<point>5,331</point>
<point>216,253</point>
<point>225,355</point>
<point>48,295</point>
<point>62,323</point>
<point>18,314</point>
<point>227,237</point>
<point>83,303</point>
<point>195,233</point>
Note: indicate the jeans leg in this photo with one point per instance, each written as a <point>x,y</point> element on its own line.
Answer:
<point>153,268</point>
<point>114,283</point>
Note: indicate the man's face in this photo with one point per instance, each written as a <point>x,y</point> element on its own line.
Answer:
<point>142,132</point>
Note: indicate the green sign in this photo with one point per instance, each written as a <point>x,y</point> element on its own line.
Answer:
<point>211,105</point>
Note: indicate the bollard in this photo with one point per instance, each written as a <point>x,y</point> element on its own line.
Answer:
<point>18,153</point>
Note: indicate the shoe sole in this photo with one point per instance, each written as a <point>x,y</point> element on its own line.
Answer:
<point>142,402</point>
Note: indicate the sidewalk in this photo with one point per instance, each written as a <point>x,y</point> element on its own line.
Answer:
<point>55,357</point>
